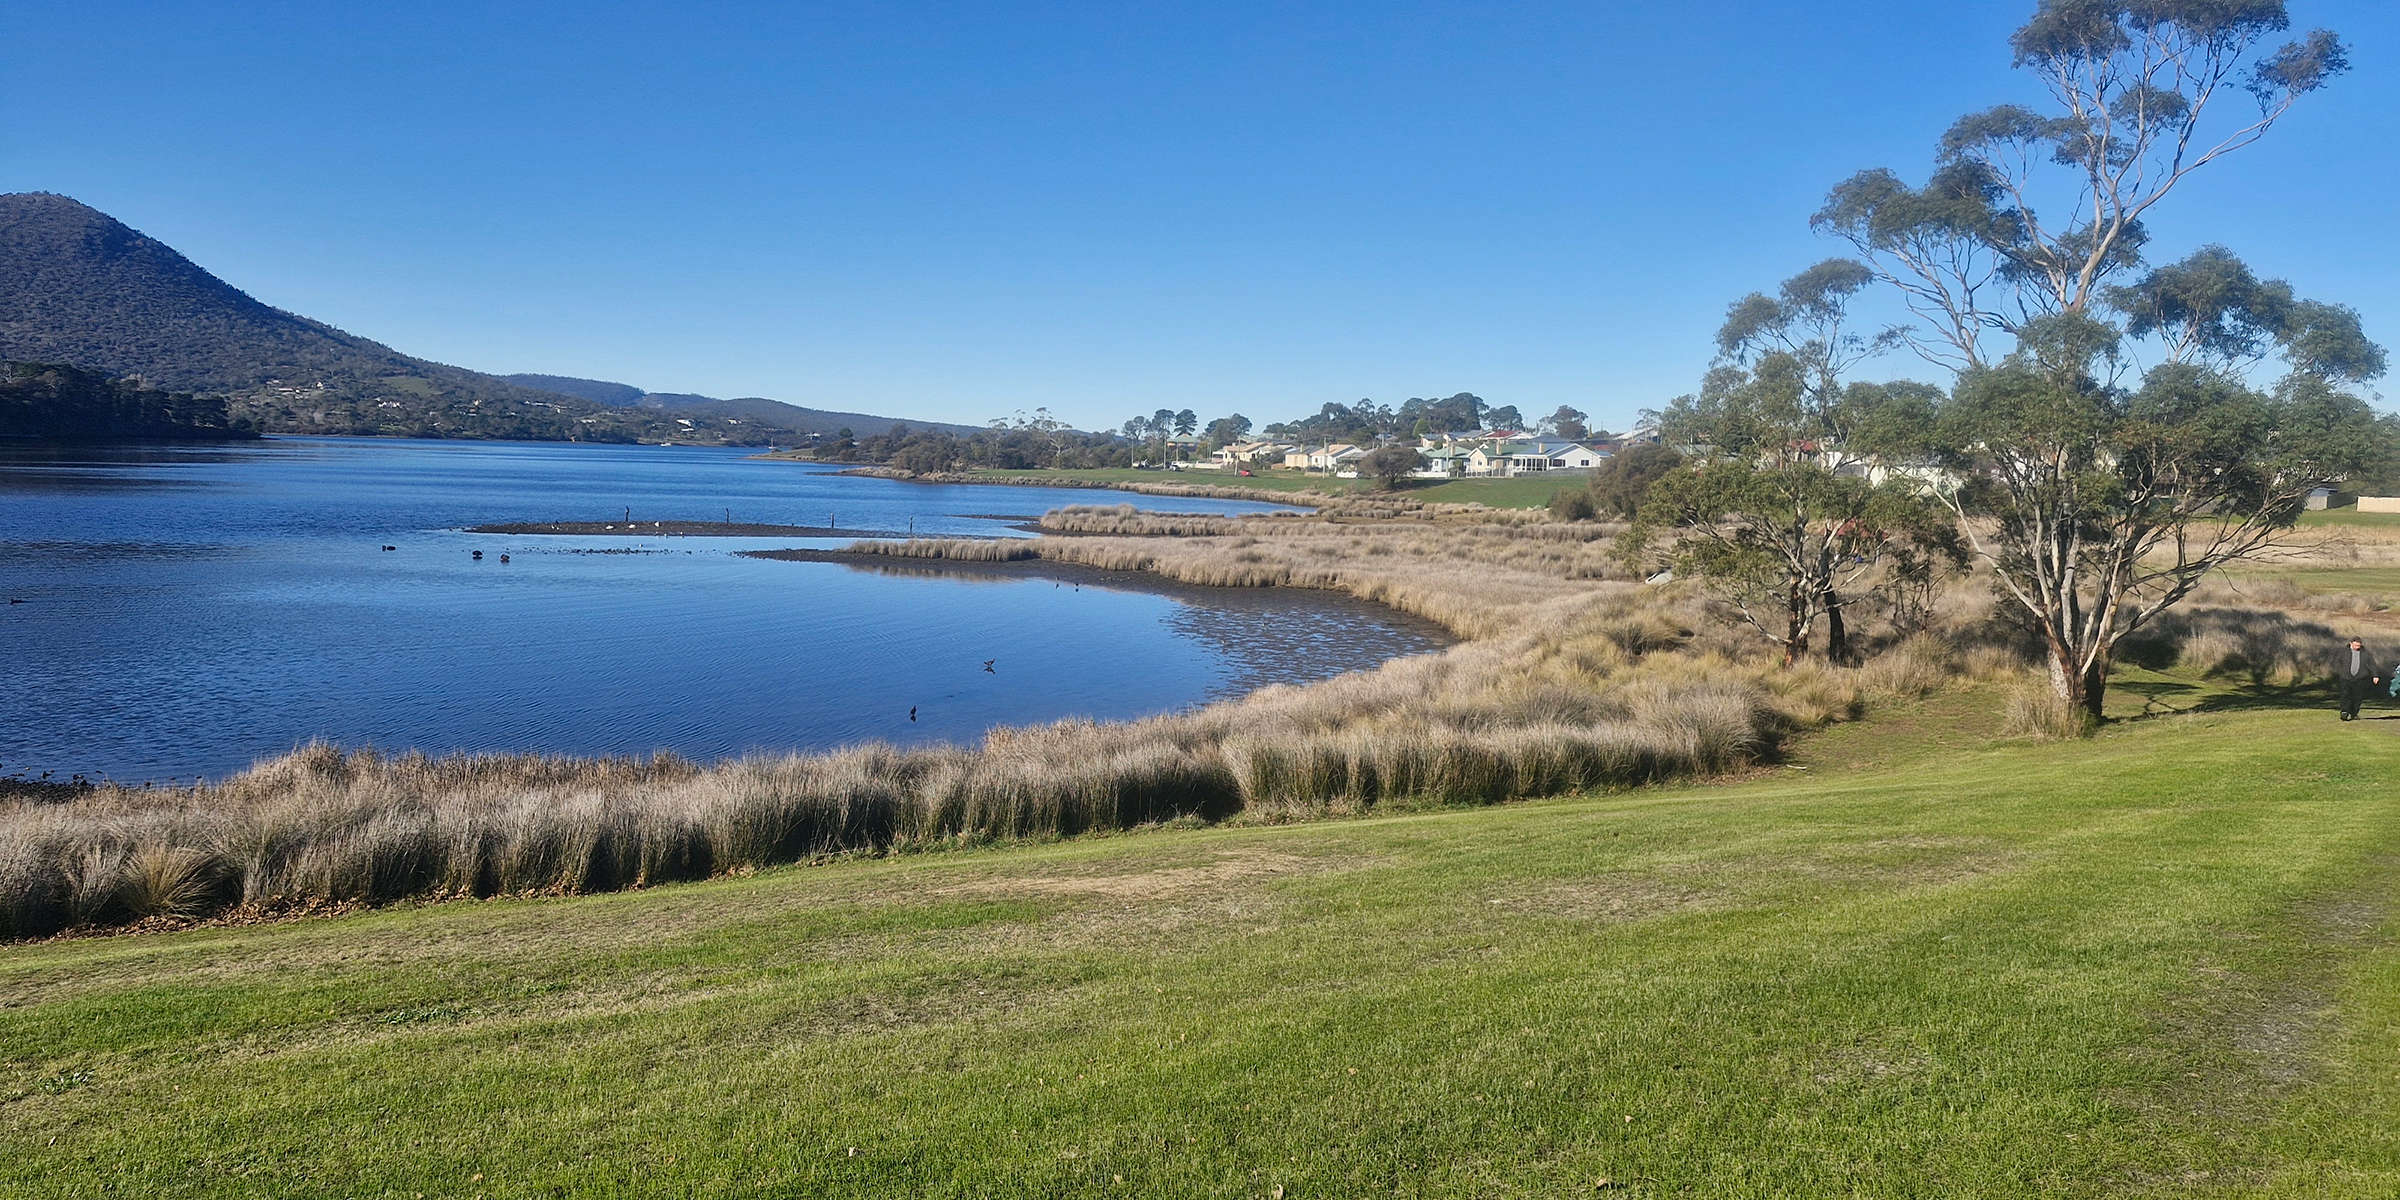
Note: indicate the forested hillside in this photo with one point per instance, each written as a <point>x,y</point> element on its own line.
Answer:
<point>753,409</point>
<point>77,286</point>
<point>61,403</point>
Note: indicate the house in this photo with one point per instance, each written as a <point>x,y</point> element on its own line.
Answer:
<point>1241,454</point>
<point>1486,459</point>
<point>1297,458</point>
<point>1578,456</point>
<point>1334,457</point>
<point>1531,457</point>
<point>1443,463</point>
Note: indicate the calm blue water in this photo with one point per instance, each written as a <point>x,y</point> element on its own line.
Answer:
<point>188,610</point>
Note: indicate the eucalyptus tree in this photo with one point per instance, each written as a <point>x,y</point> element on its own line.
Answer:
<point>2099,506</point>
<point>1781,513</point>
<point>2100,491</point>
<point>1225,431</point>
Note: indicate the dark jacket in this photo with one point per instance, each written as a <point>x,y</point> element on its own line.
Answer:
<point>2369,667</point>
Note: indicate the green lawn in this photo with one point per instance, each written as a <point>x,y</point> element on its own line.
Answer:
<point>2349,516</point>
<point>1919,962</point>
<point>1273,481</point>
<point>1531,492</point>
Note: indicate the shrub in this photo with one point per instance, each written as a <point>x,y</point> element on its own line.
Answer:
<point>1622,482</point>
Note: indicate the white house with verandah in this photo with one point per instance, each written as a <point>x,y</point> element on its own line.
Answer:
<point>1241,454</point>
<point>1508,458</point>
<point>1334,457</point>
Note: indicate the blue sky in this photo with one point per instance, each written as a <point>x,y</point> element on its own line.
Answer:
<point>957,211</point>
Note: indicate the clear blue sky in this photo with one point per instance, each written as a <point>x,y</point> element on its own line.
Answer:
<point>955,211</point>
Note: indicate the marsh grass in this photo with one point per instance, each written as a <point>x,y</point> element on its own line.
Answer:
<point>1599,693</point>
<point>1572,678</point>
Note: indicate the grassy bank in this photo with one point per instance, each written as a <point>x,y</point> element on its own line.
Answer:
<point>2350,517</point>
<point>1526,492</point>
<point>2158,964</point>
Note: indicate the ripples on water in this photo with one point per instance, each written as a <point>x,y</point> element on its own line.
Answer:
<point>190,609</point>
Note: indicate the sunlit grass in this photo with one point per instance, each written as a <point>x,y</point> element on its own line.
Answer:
<point>2155,964</point>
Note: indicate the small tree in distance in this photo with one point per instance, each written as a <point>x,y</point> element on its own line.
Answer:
<point>1781,517</point>
<point>1391,464</point>
<point>1622,481</point>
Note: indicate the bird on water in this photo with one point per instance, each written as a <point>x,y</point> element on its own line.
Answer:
<point>987,666</point>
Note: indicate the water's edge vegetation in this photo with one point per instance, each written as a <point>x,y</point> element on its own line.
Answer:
<point>1569,676</point>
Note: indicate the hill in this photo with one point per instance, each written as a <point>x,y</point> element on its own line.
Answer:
<point>80,287</point>
<point>615,395</point>
<point>755,409</point>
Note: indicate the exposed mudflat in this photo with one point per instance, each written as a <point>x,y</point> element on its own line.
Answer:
<point>683,529</point>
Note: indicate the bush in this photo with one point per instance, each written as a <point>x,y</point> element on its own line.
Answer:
<point>1620,484</point>
<point>1573,504</point>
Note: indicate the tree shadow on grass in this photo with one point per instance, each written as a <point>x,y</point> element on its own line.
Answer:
<point>2165,697</point>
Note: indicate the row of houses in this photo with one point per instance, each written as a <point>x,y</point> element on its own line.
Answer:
<point>1446,455</point>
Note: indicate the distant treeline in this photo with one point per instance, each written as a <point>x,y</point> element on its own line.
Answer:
<point>1025,443</point>
<point>62,403</point>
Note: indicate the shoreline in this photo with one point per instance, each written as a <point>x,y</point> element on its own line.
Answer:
<point>1199,491</point>
<point>679,529</point>
<point>1544,677</point>
<point>1032,564</point>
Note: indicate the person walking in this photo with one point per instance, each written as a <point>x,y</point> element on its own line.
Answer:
<point>2355,670</point>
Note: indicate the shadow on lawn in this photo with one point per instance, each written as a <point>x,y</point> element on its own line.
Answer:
<point>2168,697</point>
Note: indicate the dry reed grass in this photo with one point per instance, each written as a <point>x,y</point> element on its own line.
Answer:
<point>1571,678</point>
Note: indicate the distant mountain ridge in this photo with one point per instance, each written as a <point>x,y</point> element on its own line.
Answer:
<point>757,409</point>
<point>79,287</point>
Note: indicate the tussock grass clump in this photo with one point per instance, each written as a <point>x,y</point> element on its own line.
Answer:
<point>2034,709</point>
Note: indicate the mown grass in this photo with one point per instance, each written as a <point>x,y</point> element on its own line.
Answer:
<point>1528,491</point>
<point>2350,516</point>
<point>1523,492</point>
<point>2155,964</point>
<point>1281,481</point>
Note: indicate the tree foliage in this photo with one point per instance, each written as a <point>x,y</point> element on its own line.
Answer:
<point>2099,506</point>
<point>1622,481</point>
<point>52,402</point>
<point>1569,423</point>
<point>2100,493</point>
<point>1780,517</point>
<point>1391,464</point>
